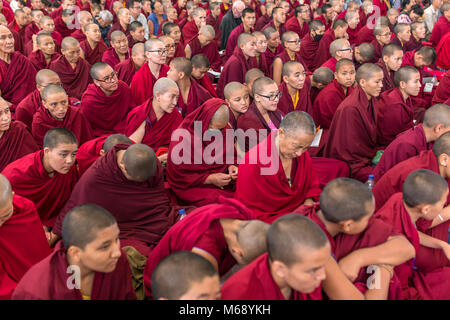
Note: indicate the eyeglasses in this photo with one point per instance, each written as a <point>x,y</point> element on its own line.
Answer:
<point>387,34</point>
<point>346,49</point>
<point>111,78</point>
<point>170,46</point>
<point>160,52</point>
<point>294,41</point>
<point>272,97</point>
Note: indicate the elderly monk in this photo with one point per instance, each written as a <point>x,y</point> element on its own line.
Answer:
<point>64,21</point>
<point>409,144</point>
<point>107,101</point>
<point>128,68</point>
<point>45,53</point>
<point>397,112</point>
<point>238,100</point>
<point>192,27</point>
<point>339,49</point>
<point>423,196</point>
<point>274,46</point>
<point>310,44</point>
<point>101,277</point>
<point>128,181</point>
<point>122,24</point>
<point>192,95</point>
<point>382,34</point>
<point>293,243</point>
<point>248,23</point>
<point>48,176</point>
<point>204,43</point>
<point>119,50</point>
<point>338,31</point>
<point>353,130</point>
<point>299,22</point>
<point>17,73</point>
<point>71,68</point>
<point>84,18</point>
<point>198,177</point>
<point>93,46</point>
<point>241,61</point>
<point>56,112</point>
<point>200,68</point>
<point>19,250</point>
<point>418,33</point>
<point>225,233</point>
<point>15,140</point>
<point>155,68</point>
<point>390,62</point>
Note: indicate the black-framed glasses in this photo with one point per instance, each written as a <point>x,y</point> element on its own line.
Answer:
<point>110,78</point>
<point>272,97</point>
<point>294,41</point>
<point>160,52</point>
<point>346,49</point>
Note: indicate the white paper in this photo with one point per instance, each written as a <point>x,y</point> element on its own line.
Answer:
<point>317,138</point>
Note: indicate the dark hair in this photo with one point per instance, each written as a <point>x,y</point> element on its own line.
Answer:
<point>423,187</point>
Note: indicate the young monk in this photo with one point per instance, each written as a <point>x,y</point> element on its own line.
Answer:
<point>191,95</point>
<point>204,43</point>
<point>33,27</point>
<point>47,24</point>
<point>137,34</point>
<point>47,177</point>
<point>321,77</point>
<point>415,140</point>
<point>71,68</point>
<point>128,68</point>
<point>169,43</point>
<point>57,113</point>
<point>93,46</point>
<point>238,100</point>
<point>338,31</point>
<point>155,68</point>
<point>362,54</point>
<point>173,30</point>
<point>299,21</point>
<point>15,140</point>
<point>200,67</point>
<point>397,113</point>
<point>91,251</point>
<point>274,46</point>
<point>248,23</point>
<point>277,21</point>
<point>390,62</point>
<point>261,48</point>
<point>250,77</point>
<point>45,53</point>
<point>382,34</point>
<point>19,24</point>
<point>119,50</point>
<point>339,49</point>
<point>107,101</point>
<point>201,182</point>
<point>353,130</point>
<point>184,275</point>
<point>225,233</point>
<point>310,44</point>
<point>84,18</point>
<point>424,194</point>
<point>402,36</point>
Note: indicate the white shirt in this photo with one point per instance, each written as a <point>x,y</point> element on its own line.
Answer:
<point>431,16</point>
<point>142,20</point>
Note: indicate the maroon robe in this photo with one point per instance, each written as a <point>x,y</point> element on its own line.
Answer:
<point>206,83</point>
<point>20,31</point>
<point>210,51</point>
<point>179,51</point>
<point>443,89</point>
<point>413,44</point>
<point>328,24</point>
<point>215,23</point>
<point>29,179</point>
<point>353,134</point>
<point>201,229</point>
<point>75,81</point>
<point>111,57</point>
<point>48,280</point>
<point>15,143</point>
<point>107,114</point>
<point>323,52</point>
<point>308,51</point>
<point>28,48</point>
<point>281,29</point>
<point>143,81</point>
<point>353,35</point>
<point>330,64</point>
<point>79,35</point>
<point>270,56</point>
<point>37,58</point>
<point>89,152</point>
<point>61,27</point>
<point>125,70</point>
<point>93,55</point>
<point>196,97</point>
<point>443,52</point>
<point>292,24</point>
<point>29,31</point>
<point>232,40</point>
<point>284,56</point>
<point>378,50</point>
<point>440,28</point>
<point>398,42</point>
<point>286,105</point>
<point>189,31</point>
<point>261,22</point>
<point>20,250</point>
<point>388,79</point>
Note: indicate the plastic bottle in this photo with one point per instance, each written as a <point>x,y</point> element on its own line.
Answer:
<point>371,181</point>
<point>434,81</point>
<point>182,213</point>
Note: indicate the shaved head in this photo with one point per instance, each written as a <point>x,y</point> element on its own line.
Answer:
<point>366,51</point>
<point>252,239</point>
<point>45,76</point>
<point>221,115</point>
<point>423,187</point>
<point>323,75</point>
<point>50,90</point>
<point>150,44</point>
<point>200,61</point>
<point>182,64</point>
<point>140,162</point>
<point>232,87</point>
<point>298,121</point>
<point>116,35</point>
<point>442,145</point>
<point>252,75</point>
<point>343,62</point>
<point>163,85</point>
<point>69,42</point>
<point>260,83</point>
<point>244,38</point>
<point>137,49</point>
<point>115,139</point>
<point>96,68</point>
<point>208,31</point>
<point>437,114</point>
<point>56,136</point>
<point>404,74</point>
<point>367,71</point>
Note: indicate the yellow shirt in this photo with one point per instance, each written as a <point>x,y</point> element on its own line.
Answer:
<point>295,101</point>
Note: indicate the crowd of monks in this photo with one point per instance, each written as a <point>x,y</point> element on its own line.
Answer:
<point>237,150</point>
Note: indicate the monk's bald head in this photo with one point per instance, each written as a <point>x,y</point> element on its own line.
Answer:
<point>50,90</point>
<point>231,88</point>
<point>115,35</point>
<point>438,114</point>
<point>5,193</point>
<point>207,31</point>
<point>296,122</point>
<point>42,35</point>
<point>200,61</point>
<point>342,63</point>
<point>423,187</point>
<point>442,145</point>
<point>291,66</point>
<point>367,71</point>
<point>251,237</point>
<point>163,85</point>
<point>69,42</point>
<point>57,136</point>
<point>253,74</point>
<point>428,55</point>
<point>151,43</point>
<point>323,75</point>
<point>244,38</point>
<point>221,116</point>
<point>97,68</point>
<point>338,45</point>
<point>182,64</point>
<point>260,85</point>
<point>115,139</point>
<point>366,51</point>
<point>140,162</point>
<point>91,27</point>
<point>45,77</point>
<point>404,74</point>
<point>137,49</point>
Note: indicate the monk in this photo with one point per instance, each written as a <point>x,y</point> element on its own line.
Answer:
<point>57,113</point>
<point>17,73</point>
<point>418,33</point>
<point>248,23</point>
<point>128,68</point>
<point>71,68</point>
<point>153,122</point>
<point>397,113</point>
<point>185,275</point>
<point>293,243</point>
<point>137,33</point>
<point>45,177</point>
<point>240,62</point>
<point>192,27</point>
<point>19,25</point>
<point>15,140</point>
<point>155,68</point>
<point>327,15</point>
<point>299,22</point>
<point>362,54</point>
<point>33,27</point>
<point>265,18</point>
<point>225,233</point>
<point>402,36</point>
<point>107,101</point>
<point>382,37</point>
<point>310,44</point>
<point>169,43</point>
<point>420,138</point>
<point>204,43</point>
<point>443,89</point>
<point>352,17</point>
<point>93,46</point>
<point>64,20</point>
<point>274,46</point>
<point>443,52</point>
<point>45,53</point>
<point>200,68</point>
<point>442,25</point>
<point>47,24</point>
<point>201,180</point>
<point>338,31</point>
<point>96,148</point>
<point>83,18</point>
<point>339,49</point>
<point>277,21</point>
<point>353,130</point>
<point>119,50</point>
<point>122,24</point>
<point>19,250</point>
<point>86,229</point>
<point>390,62</point>
<point>173,30</point>
<point>238,100</point>
<point>424,194</point>
<point>191,94</point>
<point>214,18</point>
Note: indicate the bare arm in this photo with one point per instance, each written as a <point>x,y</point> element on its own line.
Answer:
<point>188,51</point>
<point>380,290</point>
<point>337,286</point>
<point>277,65</point>
<point>430,242</point>
<point>442,217</point>
<point>138,135</point>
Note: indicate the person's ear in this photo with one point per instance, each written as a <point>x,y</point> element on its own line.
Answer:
<point>402,84</point>
<point>345,226</point>
<point>181,75</point>
<point>424,209</point>
<point>237,252</point>
<point>74,253</point>
<point>280,269</point>
<point>102,152</point>
<point>443,160</point>
<point>285,79</point>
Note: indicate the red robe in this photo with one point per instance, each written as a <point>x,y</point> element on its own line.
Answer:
<point>30,180</point>
<point>93,55</point>
<point>416,284</point>
<point>388,79</point>
<point>286,105</point>
<point>28,48</point>
<point>353,35</point>
<point>15,143</point>
<point>261,22</point>
<point>61,27</point>
<point>414,44</point>
<point>48,280</point>
<point>270,56</point>
<point>125,70</point>
<point>365,34</point>
<point>268,194</point>
<point>89,152</point>
<point>441,27</point>
<point>20,31</point>
<point>157,132</point>
<point>75,81</point>
<point>206,83</point>
<point>79,35</point>
<point>378,50</point>
<point>407,145</point>
<point>74,121</point>
<point>187,178</point>
<point>38,60</point>
<point>110,57</point>
<point>107,114</point>
<point>443,89</point>
<point>215,23</point>
<point>189,31</point>
<point>179,51</point>
<point>330,64</point>
<point>17,79</point>
<point>210,51</point>
<point>29,31</point>
<point>23,244</point>
<point>353,134</point>
<point>443,52</point>
<point>143,81</point>
<point>196,97</point>
<point>255,282</point>
<point>118,26</point>
<point>308,51</point>
<point>284,56</point>
<point>328,24</point>
<point>292,24</point>
<point>232,40</point>
<point>201,229</point>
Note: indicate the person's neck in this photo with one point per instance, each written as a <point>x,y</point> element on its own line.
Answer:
<point>235,114</point>
<point>277,25</point>
<point>272,49</point>
<point>5,57</point>
<point>184,84</point>
<point>48,168</point>
<point>413,214</point>
<point>404,94</point>
<point>300,22</point>
<point>343,88</point>
<point>247,29</point>
<point>292,91</point>
<point>261,109</point>
<point>230,228</point>
<point>367,95</point>
<point>290,53</point>
<point>119,156</point>
<point>92,43</point>
<point>416,37</point>
<point>154,68</point>
<point>281,283</point>
<point>429,134</point>
<point>2,132</point>
<point>47,57</point>
<point>332,228</point>
<point>157,109</point>
<point>107,92</point>
<point>136,66</point>
<point>123,25</point>
<point>86,277</point>
<point>120,55</point>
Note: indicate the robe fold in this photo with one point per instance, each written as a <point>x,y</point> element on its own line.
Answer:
<point>30,180</point>
<point>261,22</point>
<point>143,81</point>
<point>37,58</point>
<point>365,34</point>
<point>61,27</point>
<point>13,26</point>
<point>270,56</point>
<point>29,31</point>
<point>323,52</point>
<point>308,51</point>
<point>189,31</point>
<point>93,55</point>
<point>107,114</point>
<point>89,152</point>
<point>378,50</point>
<point>125,70</point>
<point>210,51</point>
<point>292,24</point>
<point>196,97</point>
<point>215,23</point>
<point>440,29</point>
<point>443,52</point>
<point>443,89</point>
<point>388,76</point>
<point>206,83</point>
<point>286,105</point>
<point>79,35</point>
<point>110,57</point>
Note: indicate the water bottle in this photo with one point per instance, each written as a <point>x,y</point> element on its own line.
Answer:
<point>434,81</point>
<point>371,181</point>
<point>182,213</point>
